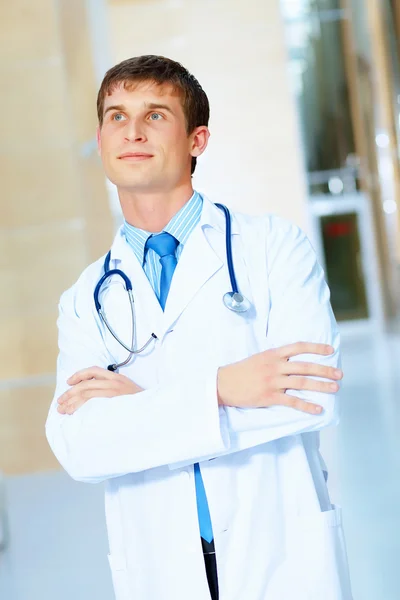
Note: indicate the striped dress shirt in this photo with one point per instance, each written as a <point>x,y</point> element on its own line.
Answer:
<point>180,226</point>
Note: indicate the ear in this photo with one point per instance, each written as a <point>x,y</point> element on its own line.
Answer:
<point>199,140</point>
<point>98,137</point>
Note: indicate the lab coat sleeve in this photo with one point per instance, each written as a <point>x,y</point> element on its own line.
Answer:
<point>300,310</point>
<point>110,437</point>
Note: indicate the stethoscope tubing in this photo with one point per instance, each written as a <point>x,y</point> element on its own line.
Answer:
<point>128,286</point>
<point>228,242</point>
<point>107,274</point>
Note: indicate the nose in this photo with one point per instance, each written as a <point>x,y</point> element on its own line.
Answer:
<point>134,132</point>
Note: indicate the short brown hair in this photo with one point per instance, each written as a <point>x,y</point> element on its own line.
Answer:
<point>160,70</point>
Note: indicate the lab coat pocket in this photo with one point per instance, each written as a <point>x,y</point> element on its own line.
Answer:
<point>322,557</point>
<point>120,577</point>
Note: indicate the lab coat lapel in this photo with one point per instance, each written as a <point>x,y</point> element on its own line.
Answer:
<point>199,261</point>
<point>197,264</point>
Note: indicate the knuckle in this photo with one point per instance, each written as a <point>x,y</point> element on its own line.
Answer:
<point>268,370</point>
<point>298,404</point>
<point>292,348</point>
<point>276,398</point>
<point>268,399</point>
<point>302,383</point>
<point>291,401</point>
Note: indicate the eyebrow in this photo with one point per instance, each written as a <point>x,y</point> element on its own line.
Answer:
<point>119,107</point>
<point>149,106</point>
<point>153,106</point>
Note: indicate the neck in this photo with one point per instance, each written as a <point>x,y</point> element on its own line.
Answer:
<point>153,211</point>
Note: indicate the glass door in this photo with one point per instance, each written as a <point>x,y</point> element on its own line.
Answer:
<point>334,62</point>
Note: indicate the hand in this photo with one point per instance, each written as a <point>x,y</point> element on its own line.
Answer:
<point>262,380</point>
<point>91,383</point>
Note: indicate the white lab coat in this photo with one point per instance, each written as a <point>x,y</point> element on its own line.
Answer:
<point>277,536</point>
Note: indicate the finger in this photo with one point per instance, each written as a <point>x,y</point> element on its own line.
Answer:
<point>312,370</point>
<point>89,394</point>
<point>98,386</point>
<point>77,401</point>
<point>90,373</point>
<point>306,383</point>
<point>299,404</point>
<point>70,409</point>
<point>291,350</point>
<point>77,389</point>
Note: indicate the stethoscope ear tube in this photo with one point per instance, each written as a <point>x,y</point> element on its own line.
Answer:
<point>96,294</point>
<point>228,241</point>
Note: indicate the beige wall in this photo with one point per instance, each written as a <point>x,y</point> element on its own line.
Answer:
<point>54,215</point>
<point>236,49</point>
<point>54,210</point>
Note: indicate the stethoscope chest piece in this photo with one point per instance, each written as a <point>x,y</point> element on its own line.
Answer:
<point>236,302</point>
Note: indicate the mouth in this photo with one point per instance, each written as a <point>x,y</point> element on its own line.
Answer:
<point>134,156</point>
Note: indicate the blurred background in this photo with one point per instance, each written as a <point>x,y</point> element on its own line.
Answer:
<point>305,102</point>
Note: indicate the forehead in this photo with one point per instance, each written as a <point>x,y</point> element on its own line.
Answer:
<point>148,92</point>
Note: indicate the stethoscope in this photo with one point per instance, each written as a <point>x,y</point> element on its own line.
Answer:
<point>233,300</point>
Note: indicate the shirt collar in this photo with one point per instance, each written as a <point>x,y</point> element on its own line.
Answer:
<point>211,216</point>
<point>180,226</point>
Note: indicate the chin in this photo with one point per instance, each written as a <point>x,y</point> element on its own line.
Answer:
<point>137,184</point>
<point>130,180</point>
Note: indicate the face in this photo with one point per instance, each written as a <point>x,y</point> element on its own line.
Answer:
<point>143,141</point>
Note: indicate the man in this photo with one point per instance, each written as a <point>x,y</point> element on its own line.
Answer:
<point>207,438</point>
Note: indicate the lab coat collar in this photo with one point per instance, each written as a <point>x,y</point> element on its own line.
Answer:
<point>211,216</point>
<point>197,264</point>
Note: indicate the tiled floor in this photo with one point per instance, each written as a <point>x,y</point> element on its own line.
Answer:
<point>58,543</point>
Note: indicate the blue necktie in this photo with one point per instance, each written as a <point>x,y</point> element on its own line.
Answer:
<point>165,245</point>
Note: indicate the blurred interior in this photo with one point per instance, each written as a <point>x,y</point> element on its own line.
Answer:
<point>305,105</point>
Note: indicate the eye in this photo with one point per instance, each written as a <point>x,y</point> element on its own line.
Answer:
<point>156,116</point>
<point>119,117</point>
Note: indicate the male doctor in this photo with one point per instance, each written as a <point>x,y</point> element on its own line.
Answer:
<point>208,439</point>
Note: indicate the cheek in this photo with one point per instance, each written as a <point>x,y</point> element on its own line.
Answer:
<point>177,149</point>
<point>104,145</point>
<point>110,139</point>
<point>109,149</point>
